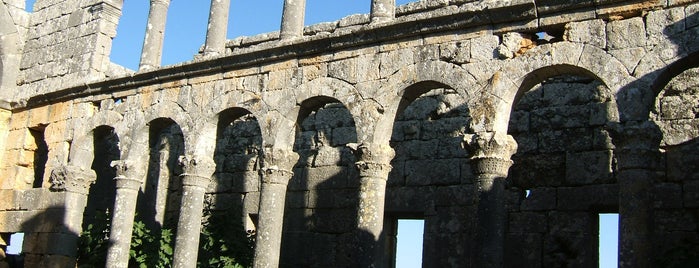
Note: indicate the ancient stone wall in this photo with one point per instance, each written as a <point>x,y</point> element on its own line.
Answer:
<point>322,141</point>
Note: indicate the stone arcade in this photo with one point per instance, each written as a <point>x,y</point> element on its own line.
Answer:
<point>508,126</point>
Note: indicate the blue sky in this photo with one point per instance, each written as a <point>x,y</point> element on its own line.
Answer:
<point>185,34</point>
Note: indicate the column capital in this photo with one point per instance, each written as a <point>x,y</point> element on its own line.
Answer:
<point>491,152</point>
<point>643,135</point>
<point>373,160</point>
<point>74,179</point>
<point>197,170</point>
<point>125,177</point>
<point>636,144</point>
<point>277,165</point>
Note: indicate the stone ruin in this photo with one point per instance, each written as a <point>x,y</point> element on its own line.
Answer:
<point>507,126</point>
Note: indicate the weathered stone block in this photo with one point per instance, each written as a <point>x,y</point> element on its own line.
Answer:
<point>690,190</point>
<point>667,196</point>
<point>539,199</point>
<point>527,222</point>
<point>589,167</point>
<point>456,195</point>
<point>523,250</point>
<point>591,32</point>
<point>662,23</point>
<point>484,48</point>
<point>588,197</point>
<point>432,172</point>
<point>624,33</point>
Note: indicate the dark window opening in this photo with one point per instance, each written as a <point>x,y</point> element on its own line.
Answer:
<point>41,155</point>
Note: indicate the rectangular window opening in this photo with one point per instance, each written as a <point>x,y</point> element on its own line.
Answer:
<point>608,240</point>
<point>15,245</point>
<point>409,240</point>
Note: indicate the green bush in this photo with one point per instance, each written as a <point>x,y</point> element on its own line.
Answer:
<point>223,244</point>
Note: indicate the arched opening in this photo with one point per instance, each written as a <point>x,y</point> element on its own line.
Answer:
<point>100,200</point>
<point>158,205</point>
<point>230,210</point>
<point>322,197</point>
<point>430,179</point>
<point>676,113</point>
<point>564,155</point>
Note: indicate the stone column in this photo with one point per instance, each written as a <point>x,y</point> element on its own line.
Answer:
<point>195,178</point>
<point>382,10</point>
<point>152,52</point>
<point>218,28</point>
<point>124,211</point>
<point>374,164</point>
<point>490,161</point>
<point>638,155</point>
<point>293,19</point>
<point>276,173</point>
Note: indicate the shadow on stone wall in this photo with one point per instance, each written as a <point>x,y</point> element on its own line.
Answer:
<point>322,197</point>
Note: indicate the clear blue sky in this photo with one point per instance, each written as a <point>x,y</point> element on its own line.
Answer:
<point>185,34</point>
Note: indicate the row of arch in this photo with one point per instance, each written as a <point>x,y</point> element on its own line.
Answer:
<point>278,125</point>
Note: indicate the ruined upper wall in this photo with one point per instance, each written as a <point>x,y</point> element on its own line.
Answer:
<point>68,42</point>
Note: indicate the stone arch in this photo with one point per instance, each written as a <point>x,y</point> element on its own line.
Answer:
<point>558,117</point>
<point>409,83</point>
<point>561,58</point>
<point>235,103</point>
<point>82,147</point>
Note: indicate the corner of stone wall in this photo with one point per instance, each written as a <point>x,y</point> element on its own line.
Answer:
<point>68,42</point>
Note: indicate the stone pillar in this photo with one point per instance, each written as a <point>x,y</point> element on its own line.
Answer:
<point>293,19</point>
<point>276,173</point>
<point>374,164</point>
<point>195,178</point>
<point>490,161</point>
<point>382,10</point>
<point>124,211</point>
<point>218,28</point>
<point>638,155</point>
<point>73,183</point>
<point>152,52</point>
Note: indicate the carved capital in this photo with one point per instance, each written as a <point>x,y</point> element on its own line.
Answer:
<point>490,152</point>
<point>277,165</point>
<point>74,179</point>
<point>373,160</point>
<point>635,135</point>
<point>636,144</point>
<point>125,175</point>
<point>197,170</point>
